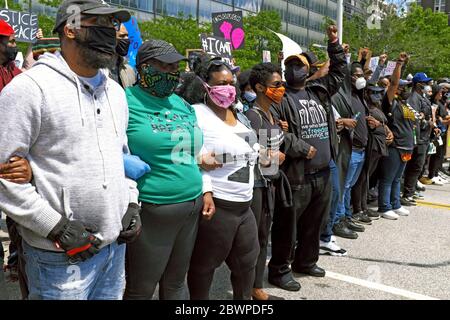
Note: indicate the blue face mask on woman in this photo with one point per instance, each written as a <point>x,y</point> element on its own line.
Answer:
<point>249,96</point>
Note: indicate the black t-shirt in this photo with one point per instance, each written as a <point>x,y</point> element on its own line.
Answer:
<point>270,136</point>
<point>361,133</point>
<point>313,127</point>
<point>401,121</point>
<point>379,134</point>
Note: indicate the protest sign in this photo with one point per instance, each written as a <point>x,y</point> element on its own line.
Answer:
<point>374,63</point>
<point>389,68</point>
<point>134,34</point>
<point>266,56</point>
<point>217,47</point>
<point>25,24</point>
<point>191,55</point>
<point>229,25</point>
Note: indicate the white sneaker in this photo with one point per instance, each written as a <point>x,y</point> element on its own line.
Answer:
<point>391,215</point>
<point>420,184</point>
<point>333,239</point>
<point>443,180</point>
<point>331,248</point>
<point>436,181</point>
<point>402,211</point>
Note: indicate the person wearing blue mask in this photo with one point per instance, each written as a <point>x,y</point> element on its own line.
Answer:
<point>248,96</point>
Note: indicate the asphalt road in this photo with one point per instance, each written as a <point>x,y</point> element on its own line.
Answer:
<point>407,258</point>
<point>404,259</point>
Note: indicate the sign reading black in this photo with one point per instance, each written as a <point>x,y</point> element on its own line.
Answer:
<point>229,25</point>
<point>25,24</point>
<point>217,47</point>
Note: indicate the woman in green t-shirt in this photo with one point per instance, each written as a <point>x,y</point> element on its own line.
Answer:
<point>163,132</point>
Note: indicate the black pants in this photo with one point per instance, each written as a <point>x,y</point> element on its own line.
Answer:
<point>263,215</point>
<point>231,236</point>
<point>16,246</point>
<point>361,188</point>
<point>163,250</point>
<point>436,161</point>
<point>300,224</point>
<point>414,169</point>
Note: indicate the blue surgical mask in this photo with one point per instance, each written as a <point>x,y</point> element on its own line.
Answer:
<point>250,96</point>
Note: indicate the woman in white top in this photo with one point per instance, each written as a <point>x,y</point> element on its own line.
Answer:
<point>231,236</point>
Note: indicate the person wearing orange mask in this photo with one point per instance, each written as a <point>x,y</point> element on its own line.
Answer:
<point>265,80</point>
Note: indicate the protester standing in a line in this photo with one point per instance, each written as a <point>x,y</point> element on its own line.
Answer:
<point>231,236</point>
<point>265,79</point>
<point>79,204</point>
<point>163,132</point>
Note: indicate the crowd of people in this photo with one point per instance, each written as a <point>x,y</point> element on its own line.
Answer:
<point>117,181</point>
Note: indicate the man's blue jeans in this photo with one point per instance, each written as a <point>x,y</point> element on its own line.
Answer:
<point>354,170</point>
<point>52,277</point>
<point>390,174</point>
<point>328,230</point>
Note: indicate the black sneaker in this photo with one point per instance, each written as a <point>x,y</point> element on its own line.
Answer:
<point>362,218</point>
<point>353,226</point>
<point>373,215</point>
<point>340,229</point>
<point>408,201</point>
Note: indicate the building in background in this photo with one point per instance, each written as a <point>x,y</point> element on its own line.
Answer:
<point>437,6</point>
<point>352,7</point>
<point>302,20</point>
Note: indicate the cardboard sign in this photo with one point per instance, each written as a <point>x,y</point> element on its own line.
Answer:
<point>230,26</point>
<point>374,63</point>
<point>191,55</point>
<point>217,47</point>
<point>266,56</point>
<point>389,68</point>
<point>25,24</point>
<point>134,34</point>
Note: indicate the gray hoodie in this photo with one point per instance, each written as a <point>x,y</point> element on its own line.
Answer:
<point>74,137</point>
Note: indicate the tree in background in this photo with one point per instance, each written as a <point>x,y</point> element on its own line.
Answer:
<point>184,33</point>
<point>422,33</point>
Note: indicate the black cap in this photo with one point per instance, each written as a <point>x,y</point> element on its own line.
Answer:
<point>372,86</point>
<point>311,56</point>
<point>69,8</point>
<point>159,50</point>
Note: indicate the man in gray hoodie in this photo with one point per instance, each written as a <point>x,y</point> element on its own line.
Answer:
<point>70,122</point>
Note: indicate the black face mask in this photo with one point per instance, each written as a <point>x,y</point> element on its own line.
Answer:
<point>122,47</point>
<point>295,75</point>
<point>102,39</point>
<point>375,99</point>
<point>11,53</point>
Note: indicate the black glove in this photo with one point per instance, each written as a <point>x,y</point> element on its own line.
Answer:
<point>75,239</point>
<point>131,224</point>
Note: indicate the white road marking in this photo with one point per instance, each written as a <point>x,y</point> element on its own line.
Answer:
<point>378,286</point>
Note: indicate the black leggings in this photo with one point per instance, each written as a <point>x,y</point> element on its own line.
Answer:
<point>163,250</point>
<point>436,161</point>
<point>261,210</point>
<point>231,236</point>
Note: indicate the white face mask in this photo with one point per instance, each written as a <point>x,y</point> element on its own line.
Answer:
<point>360,83</point>
<point>426,91</point>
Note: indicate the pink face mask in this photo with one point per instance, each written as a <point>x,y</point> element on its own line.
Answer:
<point>222,96</point>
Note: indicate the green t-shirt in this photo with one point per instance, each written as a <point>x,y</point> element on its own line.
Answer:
<point>164,133</point>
